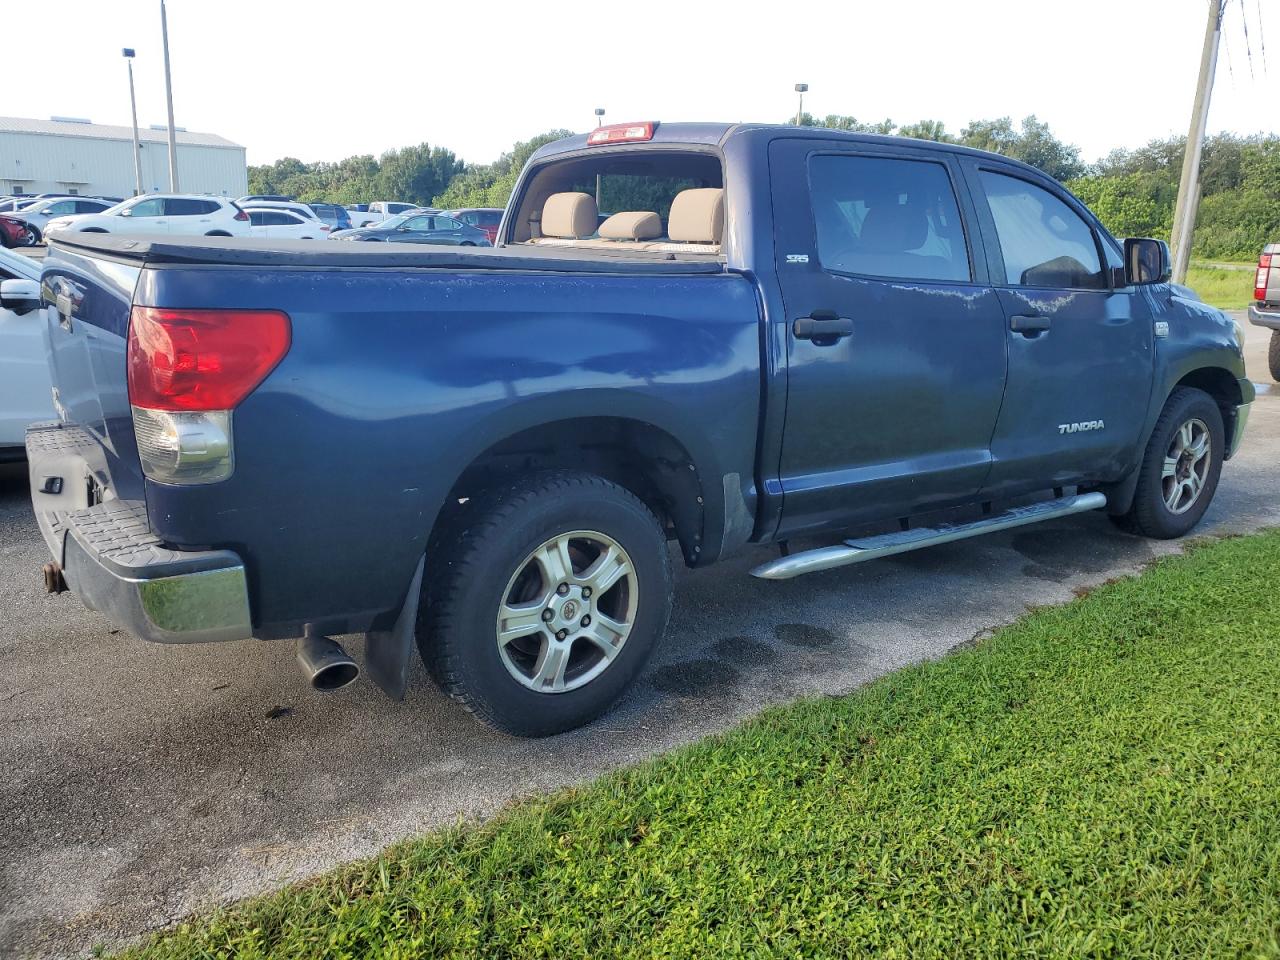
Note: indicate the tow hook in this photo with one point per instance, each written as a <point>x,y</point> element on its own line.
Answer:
<point>53,579</point>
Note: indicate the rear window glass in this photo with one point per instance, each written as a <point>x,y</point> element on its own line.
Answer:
<point>887,218</point>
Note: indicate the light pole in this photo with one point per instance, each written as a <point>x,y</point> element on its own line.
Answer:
<point>168,93</point>
<point>599,122</point>
<point>801,88</point>
<point>133,107</point>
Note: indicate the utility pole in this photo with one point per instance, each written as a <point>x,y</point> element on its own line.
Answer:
<point>1184,213</point>
<point>168,92</point>
<point>800,89</point>
<point>133,106</point>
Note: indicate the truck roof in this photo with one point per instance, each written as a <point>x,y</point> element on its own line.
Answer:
<point>715,134</point>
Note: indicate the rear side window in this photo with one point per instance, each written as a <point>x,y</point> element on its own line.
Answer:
<point>1043,241</point>
<point>887,217</point>
<point>257,219</point>
<point>183,207</point>
<point>488,218</point>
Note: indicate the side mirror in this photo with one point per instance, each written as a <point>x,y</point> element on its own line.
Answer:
<point>1146,261</point>
<point>20,296</point>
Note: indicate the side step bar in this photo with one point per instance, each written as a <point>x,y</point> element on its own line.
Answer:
<point>872,548</point>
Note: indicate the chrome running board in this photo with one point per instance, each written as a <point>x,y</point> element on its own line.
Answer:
<point>885,545</point>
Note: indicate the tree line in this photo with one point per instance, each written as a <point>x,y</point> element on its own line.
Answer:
<point>1132,190</point>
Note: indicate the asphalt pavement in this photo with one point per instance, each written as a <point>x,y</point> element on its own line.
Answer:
<point>143,782</point>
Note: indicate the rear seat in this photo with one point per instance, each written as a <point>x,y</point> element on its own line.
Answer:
<point>696,224</point>
<point>567,219</point>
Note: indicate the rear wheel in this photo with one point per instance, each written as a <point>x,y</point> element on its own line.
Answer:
<point>1180,470</point>
<point>555,595</point>
<point>1273,355</point>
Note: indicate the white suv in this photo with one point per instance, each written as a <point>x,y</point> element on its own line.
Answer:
<point>173,213</point>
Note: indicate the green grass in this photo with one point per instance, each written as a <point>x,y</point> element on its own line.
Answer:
<point>1100,779</point>
<point>1225,286</point>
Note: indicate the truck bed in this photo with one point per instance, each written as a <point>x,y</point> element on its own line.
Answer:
<point>263,252</point>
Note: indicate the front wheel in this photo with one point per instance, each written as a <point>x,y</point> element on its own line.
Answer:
<point>1273,355</point>
<point>550,603</point>
<point>30,236</point>
<point>1180,469</point>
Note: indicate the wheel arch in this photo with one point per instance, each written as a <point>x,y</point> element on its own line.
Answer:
<point>645,457</point>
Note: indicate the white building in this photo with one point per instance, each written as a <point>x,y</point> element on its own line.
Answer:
<point>90,159</point>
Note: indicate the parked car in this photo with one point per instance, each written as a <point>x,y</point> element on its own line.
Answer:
<point>254,198</point>
<point>390,208</point>
<point>361,216</point>
<point>333,214</point>
<point>28,224</point>
<point>487,452</point>
<point>10,204</point>
<point>25,393</point>
<point>271,222</point>
<point>297,206</point>
<point>1265,309</point>
<point>484,218</point>
<point>419,228</point>
<point>162,213</point>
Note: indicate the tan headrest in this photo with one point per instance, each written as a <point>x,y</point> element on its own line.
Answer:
<point>570,216</point>
<point>632,225</point>
<point>697,216</point>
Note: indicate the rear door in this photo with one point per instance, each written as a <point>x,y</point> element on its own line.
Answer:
<point>187,215</point>
<point>896,347</point>
<point>1080,348</point>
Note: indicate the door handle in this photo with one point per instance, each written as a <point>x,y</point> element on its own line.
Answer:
<point>822,330</point>
<point>1029,326</point>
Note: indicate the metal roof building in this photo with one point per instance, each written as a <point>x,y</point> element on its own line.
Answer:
<point>92,159</point>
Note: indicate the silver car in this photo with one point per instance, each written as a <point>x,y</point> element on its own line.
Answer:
<point>37,216</point>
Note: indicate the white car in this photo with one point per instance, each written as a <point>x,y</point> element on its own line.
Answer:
<point>274,222</point>
<point>297,206</point>
<point>26,394</point>
<point>173,213</point>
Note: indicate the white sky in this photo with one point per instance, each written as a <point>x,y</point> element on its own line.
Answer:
<point>324,79</point>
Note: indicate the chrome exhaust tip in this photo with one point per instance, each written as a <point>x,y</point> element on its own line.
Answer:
<point>324,663</point>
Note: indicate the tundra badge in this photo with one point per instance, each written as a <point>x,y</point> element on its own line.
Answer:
<point>1081,426</point>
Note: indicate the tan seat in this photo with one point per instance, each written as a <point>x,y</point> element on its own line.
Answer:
<point>697,216</point>
<point>568,216</point>
<point>632,225</point>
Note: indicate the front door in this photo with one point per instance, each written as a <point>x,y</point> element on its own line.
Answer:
<point>895,339</point>
<point>1080,346</point>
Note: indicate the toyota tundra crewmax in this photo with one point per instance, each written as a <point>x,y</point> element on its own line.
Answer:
<point>708,335</point>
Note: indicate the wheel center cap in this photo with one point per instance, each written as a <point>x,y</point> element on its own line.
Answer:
<point>569,609</point>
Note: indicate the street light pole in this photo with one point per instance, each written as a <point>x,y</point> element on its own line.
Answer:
<point>1184,214</point>
<point>599,116</point>
<point>133,107</point>
<point>168,93</point>
<point>801,88</point>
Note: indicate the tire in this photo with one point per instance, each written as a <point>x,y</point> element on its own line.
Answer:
<point>511,684</point>
<point>30,237</point>
<point>1159,510</point>
<point>466,243</point>
<point>1273,355</point>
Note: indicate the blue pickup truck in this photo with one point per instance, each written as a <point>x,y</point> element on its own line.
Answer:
<point>705,334</point>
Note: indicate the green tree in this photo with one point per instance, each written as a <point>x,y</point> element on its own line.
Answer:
<point>490,184</point>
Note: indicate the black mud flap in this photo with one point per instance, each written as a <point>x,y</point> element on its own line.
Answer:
<point>387,652</point>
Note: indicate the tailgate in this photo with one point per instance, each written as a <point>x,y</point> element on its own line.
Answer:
<point>86,316</point>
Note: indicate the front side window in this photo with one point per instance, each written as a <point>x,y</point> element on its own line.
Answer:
<point>145,208</point>
<point>59,208</point>
<point>1043,241</point>
<point>886,217</point>
<point>419,223</point>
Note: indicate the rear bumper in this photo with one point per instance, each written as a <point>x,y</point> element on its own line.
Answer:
<point>115,565</point>
<point>1264,317</point>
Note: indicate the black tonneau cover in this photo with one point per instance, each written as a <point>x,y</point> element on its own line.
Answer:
<point>262,252</point>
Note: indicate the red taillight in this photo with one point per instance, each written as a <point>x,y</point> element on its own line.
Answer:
<point>241,216</point>
<point>622,133</point>
<point>1260,281</point>
<point>325,227</point>
<point>202,359</point>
